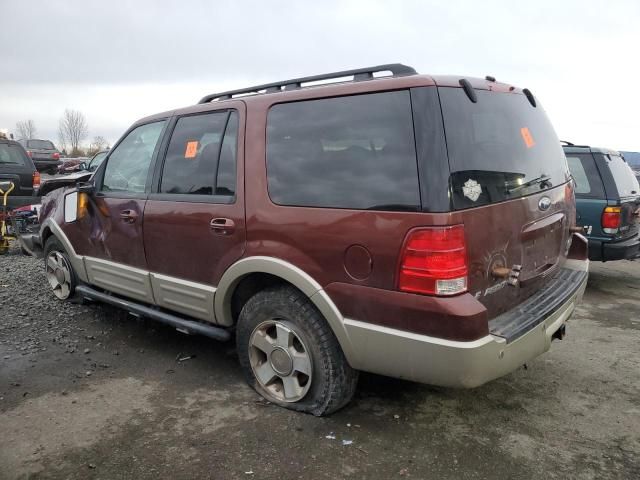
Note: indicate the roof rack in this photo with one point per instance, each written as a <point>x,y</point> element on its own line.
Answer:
<point>568,144</point>
<point>359,74</point>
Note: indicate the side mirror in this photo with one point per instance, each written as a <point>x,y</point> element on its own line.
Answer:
<point>86,187</point>
<point>83,166</point>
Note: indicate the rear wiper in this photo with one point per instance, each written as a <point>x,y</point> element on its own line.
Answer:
<point>542,180</point>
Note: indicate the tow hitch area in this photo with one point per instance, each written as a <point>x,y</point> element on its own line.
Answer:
<point>560,333</point>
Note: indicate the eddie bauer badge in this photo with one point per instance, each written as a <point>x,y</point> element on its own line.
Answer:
<point>472,190</point>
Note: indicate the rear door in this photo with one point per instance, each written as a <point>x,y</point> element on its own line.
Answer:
<point>509,180</point>
<point>194,221</point>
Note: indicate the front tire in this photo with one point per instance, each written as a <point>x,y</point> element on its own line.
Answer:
<point>58,270</point>
<point>290,355</point>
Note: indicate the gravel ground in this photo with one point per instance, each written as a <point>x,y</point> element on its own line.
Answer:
<point>87,391</point>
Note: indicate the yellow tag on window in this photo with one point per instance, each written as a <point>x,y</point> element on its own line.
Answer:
<point>192,149</point>
<point>526,136</point>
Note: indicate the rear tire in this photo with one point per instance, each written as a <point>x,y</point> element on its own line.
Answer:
<point>290,355</point>
<point>59,272</point>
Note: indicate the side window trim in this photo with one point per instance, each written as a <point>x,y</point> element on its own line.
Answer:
<point>156,194</point>
<point>99,179</point>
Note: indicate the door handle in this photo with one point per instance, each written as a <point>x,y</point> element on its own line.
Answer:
<point>222,226</point>
<point>128,216</point>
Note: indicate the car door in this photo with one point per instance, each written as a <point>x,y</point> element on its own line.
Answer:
<point>113,235</point>
<point>194,222</point>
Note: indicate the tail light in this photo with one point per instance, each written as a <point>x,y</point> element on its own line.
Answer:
<point>611,219</point>
<point>55,156</point>
<point>434,261</point>
<point>36,180</point>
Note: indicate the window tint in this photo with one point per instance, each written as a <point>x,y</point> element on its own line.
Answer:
<point>626,181</point>
<point>348,152</point>
<point>11,155</point>
<point>499,148</point>
<point>201,158</point>
<point>579,175</point>
<point>128,164</point>
<point>41,144</point>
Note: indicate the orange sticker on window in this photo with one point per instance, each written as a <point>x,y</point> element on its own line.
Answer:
<point>192,149</point>
<point>526,136</point>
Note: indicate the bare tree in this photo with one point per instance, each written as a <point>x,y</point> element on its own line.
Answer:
<point>98,143</point>
<point>26,129</point>
<point>72,130</point>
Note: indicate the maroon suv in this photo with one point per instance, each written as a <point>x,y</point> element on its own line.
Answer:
<point>408,225</point>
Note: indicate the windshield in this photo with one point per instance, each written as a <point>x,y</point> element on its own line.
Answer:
<point>499,148</point>
<point>41,145</point>
<point>96,161</point>
<point>626,181</point>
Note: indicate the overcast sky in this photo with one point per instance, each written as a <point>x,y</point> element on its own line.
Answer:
<point>117,61</point>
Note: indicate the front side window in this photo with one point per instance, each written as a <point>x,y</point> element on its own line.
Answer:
<point>354,152</point>
<point>128,165</point>
<point>201,157</point>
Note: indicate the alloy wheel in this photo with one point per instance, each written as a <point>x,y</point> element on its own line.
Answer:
<point>280,361</point>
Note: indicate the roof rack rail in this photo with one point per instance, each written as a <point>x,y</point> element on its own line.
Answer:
<point>359,74</point>
<point>569,144</point>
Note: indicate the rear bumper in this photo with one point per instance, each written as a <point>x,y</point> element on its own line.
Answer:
<point>436,361</point>
<point>609,251</point>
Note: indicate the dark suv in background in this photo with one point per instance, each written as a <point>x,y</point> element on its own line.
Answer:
<point>18,168</point>
<point>607,201</point>
<point>407,225</point>
<point>44,154</point>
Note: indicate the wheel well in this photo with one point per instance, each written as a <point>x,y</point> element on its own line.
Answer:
<point>249,286</point>
<point>46,233</point>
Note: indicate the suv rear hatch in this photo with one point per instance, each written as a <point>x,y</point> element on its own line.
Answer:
<point>509,181</point>
<point>627,197</point>
<point>16,167</point>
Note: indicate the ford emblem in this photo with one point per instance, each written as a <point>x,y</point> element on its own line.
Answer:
<point>544,203</point>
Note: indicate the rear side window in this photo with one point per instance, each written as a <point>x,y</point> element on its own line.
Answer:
<point>585,175</point>
<point>353,152</point>
<point>11,155</point>
<point>626,181</point>
<point>201,157</point>
<point>41,145</point>
<point>500,147</point>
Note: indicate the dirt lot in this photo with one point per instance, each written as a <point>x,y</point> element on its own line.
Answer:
<point>87,391</point>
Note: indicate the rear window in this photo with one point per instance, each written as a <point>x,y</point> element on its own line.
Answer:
<point>626,181</point>
<point>41,145</point>
<point>353,152</point>
<point>11,155</point>
<point>499,148</point>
